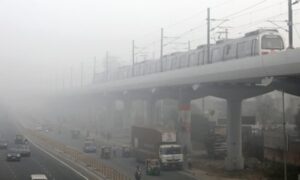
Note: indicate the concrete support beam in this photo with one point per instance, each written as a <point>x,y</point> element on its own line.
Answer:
<point>184,124</point>
<point>149,111</point>
<point>234,159</point>
<point>109,115</point>
<point>127,116</point>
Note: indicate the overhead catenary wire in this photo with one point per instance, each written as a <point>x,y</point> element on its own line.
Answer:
<point>262,20</point>
<point>235,13</point>
<point>240,13</point>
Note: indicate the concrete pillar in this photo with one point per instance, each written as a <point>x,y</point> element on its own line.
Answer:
<point>149,111</point>
<point>127,117</point>
<point>234,159</point>
<point>184,125</point>
<point>109,115</point>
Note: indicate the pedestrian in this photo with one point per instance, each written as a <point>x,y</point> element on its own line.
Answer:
<point>138,173</point>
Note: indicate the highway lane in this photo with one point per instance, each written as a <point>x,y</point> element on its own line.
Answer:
<point>125,165</point>
<point>39,162</point>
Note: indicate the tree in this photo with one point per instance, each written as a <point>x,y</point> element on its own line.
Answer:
<point>265,107</point>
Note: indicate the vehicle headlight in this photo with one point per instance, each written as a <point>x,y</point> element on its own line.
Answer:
<point>8,155</point>
<point>18,155</point>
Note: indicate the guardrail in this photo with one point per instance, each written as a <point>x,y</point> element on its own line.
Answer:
<point>105,170</point>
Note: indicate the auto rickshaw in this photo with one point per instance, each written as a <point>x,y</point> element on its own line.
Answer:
<point>152,167</point>
<point>126,151</point>
<point>105,152</point>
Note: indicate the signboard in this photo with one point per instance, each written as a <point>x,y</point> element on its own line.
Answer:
<point>168,137</point>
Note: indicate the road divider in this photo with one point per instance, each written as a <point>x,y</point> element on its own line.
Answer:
<point>95,165</point>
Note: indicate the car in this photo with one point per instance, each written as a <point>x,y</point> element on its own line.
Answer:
<point>106,152</point>
<point>90,147</point>
<point>126,151</point>
<point>13,155</point>
<point>3,144</point>
<point>38,177</point>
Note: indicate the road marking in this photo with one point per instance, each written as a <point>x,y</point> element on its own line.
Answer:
<point>65,164</point>
<point>11,171</point>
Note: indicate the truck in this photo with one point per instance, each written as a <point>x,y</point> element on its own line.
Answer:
<point>154,143</point>
<point>20,139</point>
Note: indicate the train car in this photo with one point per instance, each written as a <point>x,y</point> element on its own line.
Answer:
<point>259,42</point>
<point>175,60</point>
<point>167,62</point>
<point>183,60</point>
<point>255,43</point>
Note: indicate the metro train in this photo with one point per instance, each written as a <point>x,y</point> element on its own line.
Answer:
<point>255,43</point>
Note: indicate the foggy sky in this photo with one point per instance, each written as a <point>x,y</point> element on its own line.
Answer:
<point>41,40</point>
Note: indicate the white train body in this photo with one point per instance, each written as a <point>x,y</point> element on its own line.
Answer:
<point>256,43</point>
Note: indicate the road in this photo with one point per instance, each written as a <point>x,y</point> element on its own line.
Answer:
<point>39,162</point>
<point>125,165</point>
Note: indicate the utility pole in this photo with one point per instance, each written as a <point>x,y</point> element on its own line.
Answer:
<point>63,80</point>
<point>290,24</point>
<point>224,32</point>
<point>208,36</point>
<point>71,77</point>
<point>94,68</point>
<point>285,140</point>
<point>161,48</point>
<point>133,56</point>
<point>81,75</point>
<point>106,64</point>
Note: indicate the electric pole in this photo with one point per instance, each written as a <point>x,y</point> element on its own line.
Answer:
<point>290,24</point>
<point>133,56</point>
<point>161,48</point>
<point>208,36</point>
<point>63,80</point>
<point>106,64</point>
<point>81,75</point>
<point>94,69</point>
<point>71,77</point>
<point>285,140</point>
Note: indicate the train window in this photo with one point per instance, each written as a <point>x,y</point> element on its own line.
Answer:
<point>254,47</point>
<point>201,57</point>
<point>272,42</point>
<point>193,59</point>
<point>216,55</point>
<point>244,49</point>
<point>229,51</point>
<point>175,62</point>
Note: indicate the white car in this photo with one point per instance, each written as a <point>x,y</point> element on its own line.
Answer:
<point>38,177</point>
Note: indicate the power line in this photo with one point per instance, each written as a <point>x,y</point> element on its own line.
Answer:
<point>245,9</point>
<point>258,10</point>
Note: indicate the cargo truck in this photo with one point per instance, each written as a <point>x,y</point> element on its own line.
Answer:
<point>152,143</point>
<point>20,139</point>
